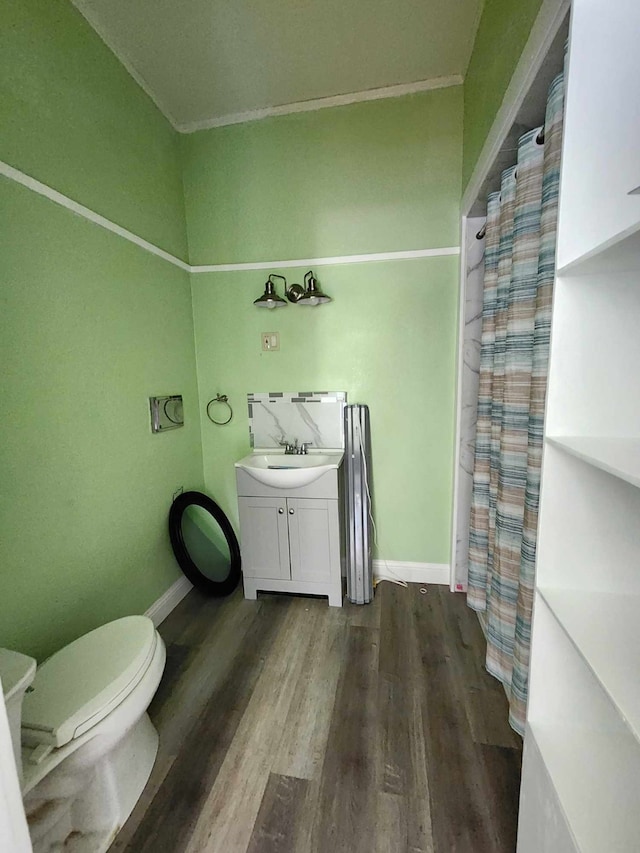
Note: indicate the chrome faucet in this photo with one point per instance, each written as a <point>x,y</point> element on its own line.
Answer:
<point>295,449</point>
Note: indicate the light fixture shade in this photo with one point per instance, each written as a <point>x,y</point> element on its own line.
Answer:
<point>270,298</point>
<point>312,294</point>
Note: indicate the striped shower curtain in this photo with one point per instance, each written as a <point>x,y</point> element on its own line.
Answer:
<point>518,286</point>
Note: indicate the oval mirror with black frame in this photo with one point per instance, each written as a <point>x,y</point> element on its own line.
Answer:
<point>204,543</point>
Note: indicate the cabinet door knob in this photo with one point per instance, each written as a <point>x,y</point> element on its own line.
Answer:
<point>291,511</point>
<point>280,510</point>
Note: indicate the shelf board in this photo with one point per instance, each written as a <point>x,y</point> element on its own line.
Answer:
<point>618,255</point>
<point>605,629</point>
<point>617,456</point>
<point>593,773</point>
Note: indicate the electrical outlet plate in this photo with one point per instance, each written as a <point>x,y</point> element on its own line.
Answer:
<point>270,341</point>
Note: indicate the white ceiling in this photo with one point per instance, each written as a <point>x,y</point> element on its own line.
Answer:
<point>206,61</point>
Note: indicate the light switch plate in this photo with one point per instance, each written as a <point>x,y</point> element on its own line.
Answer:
<point>270,341</point>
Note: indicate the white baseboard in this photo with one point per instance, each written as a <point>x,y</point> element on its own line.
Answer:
<point>412,572</point>
<point>161,608</point>
<point>391,569</point>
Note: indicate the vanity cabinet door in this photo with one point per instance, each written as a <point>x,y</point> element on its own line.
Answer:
<point>313,538</point>
<point>264,537</point>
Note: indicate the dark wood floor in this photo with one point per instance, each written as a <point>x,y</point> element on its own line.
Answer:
<point>287,726</point>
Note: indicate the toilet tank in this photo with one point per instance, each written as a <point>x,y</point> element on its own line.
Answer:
<point>17,671</point>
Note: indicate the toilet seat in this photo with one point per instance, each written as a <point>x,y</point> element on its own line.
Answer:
<point>82,683</point>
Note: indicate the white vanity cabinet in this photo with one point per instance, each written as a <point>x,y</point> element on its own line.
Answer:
<point>264,534</point>
<point>290,540</point>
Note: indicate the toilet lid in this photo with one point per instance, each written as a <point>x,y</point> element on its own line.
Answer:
<point>79,685</point>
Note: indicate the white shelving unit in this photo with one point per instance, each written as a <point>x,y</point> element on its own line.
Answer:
<point>617,456</point>
<point>581,770</point>
<point>604,629</point>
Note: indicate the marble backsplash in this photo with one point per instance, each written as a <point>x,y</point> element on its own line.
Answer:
<point>278,416</point>
<point>469,378</point>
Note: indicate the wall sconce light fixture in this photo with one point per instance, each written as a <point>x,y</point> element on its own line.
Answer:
<point>270,298</point>
<point>311,294</point>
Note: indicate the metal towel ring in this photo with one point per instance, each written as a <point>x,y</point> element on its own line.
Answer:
<point>220,398</point>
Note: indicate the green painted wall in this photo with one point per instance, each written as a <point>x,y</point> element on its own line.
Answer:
<point>388,339</point>
<point>73,118</point>
<point>364,178</point>
<point>90,327</point>
<point>372,177</point>
<point>502,34</point>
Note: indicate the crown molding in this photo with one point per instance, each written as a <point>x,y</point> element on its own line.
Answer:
<point>322,103</point>
<point>394,91</point>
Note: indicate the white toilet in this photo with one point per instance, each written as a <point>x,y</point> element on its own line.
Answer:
<point>83,742</point>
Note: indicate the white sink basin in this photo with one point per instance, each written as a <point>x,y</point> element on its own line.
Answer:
<point>286,471</point>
